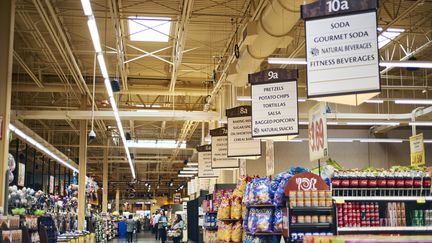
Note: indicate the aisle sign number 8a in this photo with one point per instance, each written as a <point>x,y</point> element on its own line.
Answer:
<point>316,135</point>
<point>337,5</point>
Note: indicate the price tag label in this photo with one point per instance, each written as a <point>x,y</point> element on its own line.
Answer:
<point>421,200</point>
<point>317,130</point>
<point>339,200</point>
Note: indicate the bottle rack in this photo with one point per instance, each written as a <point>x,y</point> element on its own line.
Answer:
<point>405,224</point>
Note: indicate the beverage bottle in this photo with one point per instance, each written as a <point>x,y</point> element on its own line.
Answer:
<point>427,183</point>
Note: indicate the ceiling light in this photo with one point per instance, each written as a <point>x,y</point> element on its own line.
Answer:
<point>373,123</point>
<point>94,33</point>
<point>154,29</point>
<point>295,140</point>
<point>158,144</point>
<point>420,123</point>
<point>155,106</point>
<point>413,102</point>
<point>190,168</point>
<point>42,148</point>
<point>185,175</point>
<point>291,61</point>
<point>86,7</point>
<point>303,123</point>
<point>192,164</point>
<point>108,88</point>
<point>340,140</point>
<point>102,66</point>
<point>380,140</point>
<point>188,172</point>
<point>140,105</point>
<point>427,141</point>
<point>407,64</point>
<point>332,123</point>
<point>301,100</point>
<point>244,98</point>
<point>374,101</point>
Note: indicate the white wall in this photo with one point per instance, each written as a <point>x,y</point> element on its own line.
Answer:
<point>349,155</point>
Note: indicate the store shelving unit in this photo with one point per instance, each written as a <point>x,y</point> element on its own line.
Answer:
<point>383,198</point>
<point>386,229</point>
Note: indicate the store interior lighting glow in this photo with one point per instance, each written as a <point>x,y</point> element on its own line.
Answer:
<point>380,140</point>
<point>289,61</point>
<point>413,102</point>
<point>388,35</point>
<point>244,98</point>
<point>185,175</point>
<point>373,123</point>
<point>87,7</point>
<point>420,124</point>
<point>192,164</point>
<point>190,168</point>
<point>42,148</point>
<point>301,100</point>
<point>158,144</point>
<point>332,123</point>
<point>188,172</point>
<point>374,101</point>
<point>94,33</point>
<point>340,140</point>
<point>427,141</point>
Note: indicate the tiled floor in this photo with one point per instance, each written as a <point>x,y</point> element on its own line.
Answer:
<point>142,237</point>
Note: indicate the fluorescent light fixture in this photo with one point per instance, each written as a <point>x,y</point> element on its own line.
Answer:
<point>140,105</point>
<point>87,7</point>
<point>301,100</point>
<point>108,88</point>
<point>154,29</point>
<point>94,33</point>
<point>340,140</point>
<point>185,175</point>
<point>244,98</point>
<point>42,148</point>
<point>192,164</point>
<point>413,101</point>
<point>388,35</point>
<point>332,123</point>
<point>420,124</point>
<point>188,172</point>
<point>303,123</point>
<point>380,140</point>
<point>290,61</point>
<point>158,144</point>
<point>102,66</point>
<point>296,140</point>
<point>190,168</point>
<point>406,64</point>
<point>155,106</point>
<point>427,141</point>
<point>373,123</point>
<point>374,101</point>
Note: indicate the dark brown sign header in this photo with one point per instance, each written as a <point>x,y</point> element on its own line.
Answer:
<point>239,111</point>
<point>204,148</point>
<point>323,8</point>
<point>274,75</point>
<point>218,132</point>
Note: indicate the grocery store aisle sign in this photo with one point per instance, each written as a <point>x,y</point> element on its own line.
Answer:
<point>317,131</point>
<point>219,150</point>
<point>417,152</point>
<point>274,103</point>
<point>205,163</point>
<point>240,141</point>
<point>342,50</point>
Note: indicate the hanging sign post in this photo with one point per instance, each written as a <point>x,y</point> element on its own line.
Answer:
<point>274,103</point>
<point>417,150</point>
<point>51,184</point>
<point>21,174</point>
<point>205,163</point>
<point>219,150</point>
<point>240,142</point>
<point>342,50</point>
<point>317,130</point>
<point>269,157</point>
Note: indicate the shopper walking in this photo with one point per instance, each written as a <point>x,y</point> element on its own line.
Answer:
<point>162,226</point>
<point>178,226</point>
<point>156,224</point>
<point>130,227</point>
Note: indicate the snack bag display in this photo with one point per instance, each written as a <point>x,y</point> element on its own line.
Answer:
<point>263,221</point>
<point>278,220</point>
<point>245,200</point>
<point>246,219</point>
<point>224,211</point>
<point>262,192</point>
<point>251,225</point>
<point>236,234</point>
<point>224,232</point>
<point>239,191</point>
<point>279,195</point>
<point>236,208</point>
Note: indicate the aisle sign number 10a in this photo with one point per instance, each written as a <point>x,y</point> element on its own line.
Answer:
<point>337,5</point>
<point>318,132</point>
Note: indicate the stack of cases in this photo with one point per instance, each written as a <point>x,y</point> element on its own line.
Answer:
<point>353,214</point>
<point>395,214</point>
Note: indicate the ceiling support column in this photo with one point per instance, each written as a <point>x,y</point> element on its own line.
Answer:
<point>105,180</point>
<point>117,200</point>
<point>7,21</point>
<point>82,167</point>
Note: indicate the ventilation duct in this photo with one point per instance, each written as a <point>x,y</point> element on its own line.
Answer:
<point>270,31</point>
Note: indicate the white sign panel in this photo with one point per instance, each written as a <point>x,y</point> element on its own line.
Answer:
<point>274,103</point>
<point>269,157</point>
<point>205,163</point>
<point>317,129</point>
<point>240,141</point>
<point>51,184</point>
<point>342,55</point>
<point>21,174</point>
<point>219,153</point>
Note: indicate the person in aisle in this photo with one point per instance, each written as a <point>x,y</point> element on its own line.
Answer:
<point>155,224</point>
<point>130,227</point>
<point>162,226</point>
<point>178,226</point>
<point>138,224</point>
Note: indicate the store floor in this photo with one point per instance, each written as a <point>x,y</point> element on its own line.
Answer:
<point>142,237</point>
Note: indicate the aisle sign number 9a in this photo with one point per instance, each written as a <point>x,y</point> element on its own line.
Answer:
<point>317,131</point>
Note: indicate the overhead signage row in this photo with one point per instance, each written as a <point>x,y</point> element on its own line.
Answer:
<point>219,150</point>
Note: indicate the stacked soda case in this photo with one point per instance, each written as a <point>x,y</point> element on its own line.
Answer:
<point>403,181</point>
<point>358,214</point>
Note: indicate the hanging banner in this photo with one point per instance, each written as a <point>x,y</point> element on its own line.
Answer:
<point>417,150</point>
<point>274,103</point>
<point>240,141</point>
<point>51,184</point>
<point>269,157</point>
<point>219,150</point>
<point>205,163</point>
<point>21,174</point>
<point>317,130</point>
<point>61,188</point>
<point>341,48</point>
